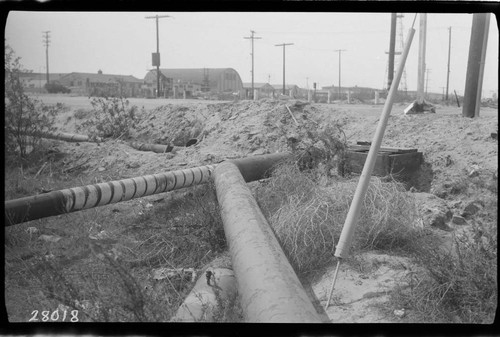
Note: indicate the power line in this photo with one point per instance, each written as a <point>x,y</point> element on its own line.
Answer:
<point>252,37</point>
<point>284,45</point>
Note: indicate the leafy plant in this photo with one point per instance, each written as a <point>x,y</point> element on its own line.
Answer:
<point>26,119</point>
<point>111,118</point>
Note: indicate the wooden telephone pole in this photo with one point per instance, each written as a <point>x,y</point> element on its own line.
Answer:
<point>475,64</point>
<point>156,57</point>
<point>252,37</point>
<point>448,73</point>
<point>284,44</point>
<point>340,67</point>
<point>46,41</point>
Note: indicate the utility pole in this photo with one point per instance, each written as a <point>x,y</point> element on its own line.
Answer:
<point>252,37</point>
<point>47,42</point>
<point>340,66</point>
<point>156,57</point>
<point>421,58</point>
<point>448,73</point>
<point>284,44</point>
<point>392,48</point>
<point>475,64</point>
<point>427,81</point>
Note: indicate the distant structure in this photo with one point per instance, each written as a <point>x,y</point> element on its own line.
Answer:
<point>178,83</point>
<point>35,82</point>
<point>291,90</point>
<point>99,84</point>
<point>263,90</point>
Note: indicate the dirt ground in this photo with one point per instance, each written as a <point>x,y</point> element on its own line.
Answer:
<point>452,147</point>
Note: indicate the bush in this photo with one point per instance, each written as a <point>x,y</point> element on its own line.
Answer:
<point>82,114</point>
<point>26,119</point>
<point>111,118</point>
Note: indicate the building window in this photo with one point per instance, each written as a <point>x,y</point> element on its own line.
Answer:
<point>79,83</point>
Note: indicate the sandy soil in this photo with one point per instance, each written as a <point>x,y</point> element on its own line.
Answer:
<point>452,147</point>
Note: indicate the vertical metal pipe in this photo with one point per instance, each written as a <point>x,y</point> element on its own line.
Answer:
<point>267,284</point>
<point>345,239</point>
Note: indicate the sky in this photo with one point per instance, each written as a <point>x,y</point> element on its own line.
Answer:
<point>122,43</point>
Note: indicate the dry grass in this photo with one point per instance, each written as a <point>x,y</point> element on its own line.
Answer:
<point>308,218</point>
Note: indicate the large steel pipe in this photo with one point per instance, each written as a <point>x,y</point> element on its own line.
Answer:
<point>269,289</point>
<point>78,198</point>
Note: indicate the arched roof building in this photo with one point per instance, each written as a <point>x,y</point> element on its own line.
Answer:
<point>210,79</point>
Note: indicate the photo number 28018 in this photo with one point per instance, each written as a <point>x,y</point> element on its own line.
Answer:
<point>55,316</point>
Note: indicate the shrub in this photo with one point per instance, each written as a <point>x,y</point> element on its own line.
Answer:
<point>26,119</point>
<point>111,118</point>
<point>82,114</point>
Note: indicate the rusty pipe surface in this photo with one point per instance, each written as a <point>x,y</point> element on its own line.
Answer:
<point>78,198</point>
<point>268,287</point>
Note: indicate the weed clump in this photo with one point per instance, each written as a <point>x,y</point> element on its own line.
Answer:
<point>111,118</point>
<point>307,218</point>
<point>461,284</point>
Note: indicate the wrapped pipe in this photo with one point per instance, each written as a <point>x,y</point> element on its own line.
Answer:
<point>268,287</point>
<point>78,198</point>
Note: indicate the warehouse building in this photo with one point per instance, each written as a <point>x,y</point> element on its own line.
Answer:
<point>192,82</point>
<point>99,84</point>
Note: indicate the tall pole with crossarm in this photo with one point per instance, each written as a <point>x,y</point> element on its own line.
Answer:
<point>252,37</point>
<point>284,44</point>
<point>340,65</point>
<point>156,57</point>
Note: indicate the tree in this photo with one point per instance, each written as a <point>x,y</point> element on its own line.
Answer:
<point>26,119</point>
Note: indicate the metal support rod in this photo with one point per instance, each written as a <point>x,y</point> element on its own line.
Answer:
<point>268,287</point>
<point>347,233</point>
<point>333,284</point>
